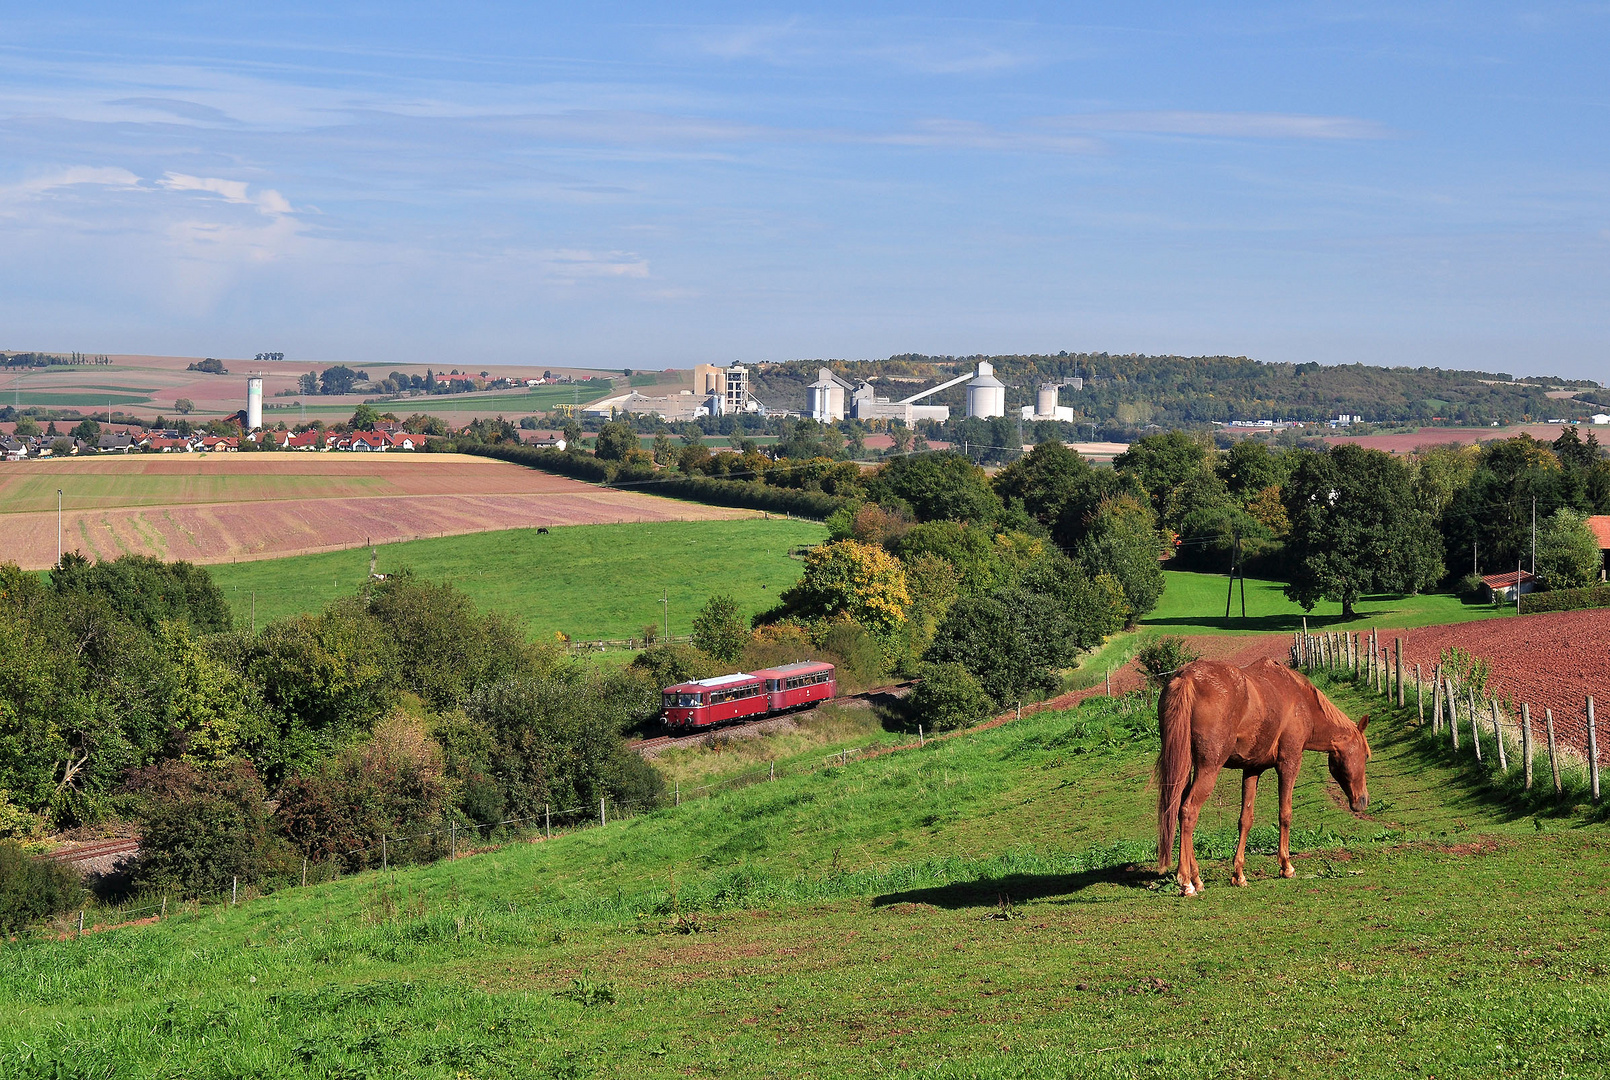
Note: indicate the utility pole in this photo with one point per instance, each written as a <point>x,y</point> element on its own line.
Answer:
<point>1534,539</point>
<point>58,528</point>
<point>1475,567</point>
<point>666,601</point>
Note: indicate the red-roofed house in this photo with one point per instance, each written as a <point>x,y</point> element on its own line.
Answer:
<point>366,440</point>
<point>1501,587</point>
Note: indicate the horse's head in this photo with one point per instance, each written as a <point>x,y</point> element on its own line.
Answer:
<point>1347,760</point>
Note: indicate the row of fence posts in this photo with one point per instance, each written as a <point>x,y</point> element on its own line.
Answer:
<point>1366,658</point>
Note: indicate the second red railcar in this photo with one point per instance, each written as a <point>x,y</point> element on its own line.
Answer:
<point>708,702</point>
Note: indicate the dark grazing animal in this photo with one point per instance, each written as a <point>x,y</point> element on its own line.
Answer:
<point>1215,716</point>
<point>542,530</point>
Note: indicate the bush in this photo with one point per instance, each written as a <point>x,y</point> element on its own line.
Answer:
<point>32,890</point>
<point>948,697</point>
<point>394,784</point>
<point>203,827</point>
<point>667,665</point>
<point>1471,588</point>
<point>1162,658</point>
<point>1566,600</point>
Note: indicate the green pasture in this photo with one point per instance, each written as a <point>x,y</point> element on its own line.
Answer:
<point>24,397</point>
<point>588,581</point>
<point>1194,604</point>
<point>511,404</point>
<point>978,908</point>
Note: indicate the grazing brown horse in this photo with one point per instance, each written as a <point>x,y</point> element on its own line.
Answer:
<point>1214,716</point>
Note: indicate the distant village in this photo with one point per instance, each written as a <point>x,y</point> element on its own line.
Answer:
<point>386,436</point>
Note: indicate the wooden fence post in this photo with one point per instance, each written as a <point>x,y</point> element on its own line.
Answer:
<point>1554,754</point>
<point>1306,645</point>
<point>1398,667</point>
<point>1453,713</point>
<point>1475,724</point>
<point>602,820</point>
<point>1498,737</point>
<point>1593,751</point>
<point>1436,700</point>
<point>385,863</point>
<point>1419,695</point>
<point>452,839</point>
<point>304,874</point>
<point>1526,741</point>
<point>234,890</point>
<point>547,822</point>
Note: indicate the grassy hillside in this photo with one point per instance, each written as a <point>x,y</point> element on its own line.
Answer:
<point>1194,604</point>
<point>963,910</point>
<point>589,581</point>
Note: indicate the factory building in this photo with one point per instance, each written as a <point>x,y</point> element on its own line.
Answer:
<point>824,398</point>
<point>986,396</point>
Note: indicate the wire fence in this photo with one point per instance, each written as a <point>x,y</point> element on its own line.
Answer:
<point>456,838</point>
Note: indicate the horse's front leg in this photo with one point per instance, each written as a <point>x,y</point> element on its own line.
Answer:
<point>1249,796</point>
<point>1288,783</point>
<point>1190,809</point>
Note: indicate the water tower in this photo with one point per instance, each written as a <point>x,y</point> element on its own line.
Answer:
<point>254,403</point>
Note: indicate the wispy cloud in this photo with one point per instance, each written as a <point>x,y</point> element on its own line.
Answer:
<point>99,175</point>
<point>1223,125</point>
<point>267,201</point>
<point>574,264</point>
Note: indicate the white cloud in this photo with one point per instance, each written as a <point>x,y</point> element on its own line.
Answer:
<point>103,176</point>
<point>267,201</point>
<point>1224,125</point>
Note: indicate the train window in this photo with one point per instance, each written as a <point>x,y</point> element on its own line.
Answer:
<point>720,696</point>
<point>681,701</point>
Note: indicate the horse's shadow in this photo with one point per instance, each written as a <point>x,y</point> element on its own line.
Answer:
<point>1017,888</point>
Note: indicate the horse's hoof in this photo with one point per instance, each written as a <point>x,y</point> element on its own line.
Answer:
<point>1288,871</point>
<point>1240,881</point>
<point>1187,889</point>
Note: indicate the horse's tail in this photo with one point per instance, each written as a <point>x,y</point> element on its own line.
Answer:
<point>1173,762</point>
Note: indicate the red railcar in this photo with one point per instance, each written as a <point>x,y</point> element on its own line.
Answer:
<point>708,702</point>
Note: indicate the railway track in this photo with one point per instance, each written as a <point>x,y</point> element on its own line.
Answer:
<point>655,744</point>
<point>100,849</point>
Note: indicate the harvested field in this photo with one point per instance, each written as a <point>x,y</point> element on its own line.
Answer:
<point>1553,660</point>
<point>1433,436</point>
<point>222,507</point>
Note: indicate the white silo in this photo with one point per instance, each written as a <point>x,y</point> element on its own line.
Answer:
<point>1045,400</point>
<point>254,403</point>
<point>986,395</point>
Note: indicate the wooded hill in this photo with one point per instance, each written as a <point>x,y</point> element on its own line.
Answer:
<point>1178,391</point>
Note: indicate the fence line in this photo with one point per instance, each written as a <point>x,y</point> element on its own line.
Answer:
<point>1381,671</point>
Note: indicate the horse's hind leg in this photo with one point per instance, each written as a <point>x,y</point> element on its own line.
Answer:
<point>1190,809</point>
<point>1249,796</point>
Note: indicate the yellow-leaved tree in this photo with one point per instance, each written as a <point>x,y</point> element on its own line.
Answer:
<point>855,579</point>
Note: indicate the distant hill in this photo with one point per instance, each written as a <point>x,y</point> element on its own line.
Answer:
<point>1177,391</point>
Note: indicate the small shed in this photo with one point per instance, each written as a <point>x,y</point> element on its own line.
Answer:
<point>1600,524</point>
<point>1502,587</point>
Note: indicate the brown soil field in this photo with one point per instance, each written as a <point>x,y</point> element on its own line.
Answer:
<point>1433,436</point>
<point>224,507</point>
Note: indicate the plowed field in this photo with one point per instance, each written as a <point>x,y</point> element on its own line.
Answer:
<point>223,507</point>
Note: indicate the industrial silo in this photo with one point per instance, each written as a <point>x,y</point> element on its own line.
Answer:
<point>1045,401</point>
<point>254,403</point>
<point>986,395</point>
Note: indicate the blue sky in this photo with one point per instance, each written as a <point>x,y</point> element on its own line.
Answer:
<point>658,185</point>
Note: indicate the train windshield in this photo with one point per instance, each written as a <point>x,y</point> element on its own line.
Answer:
<point>681,701</point>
